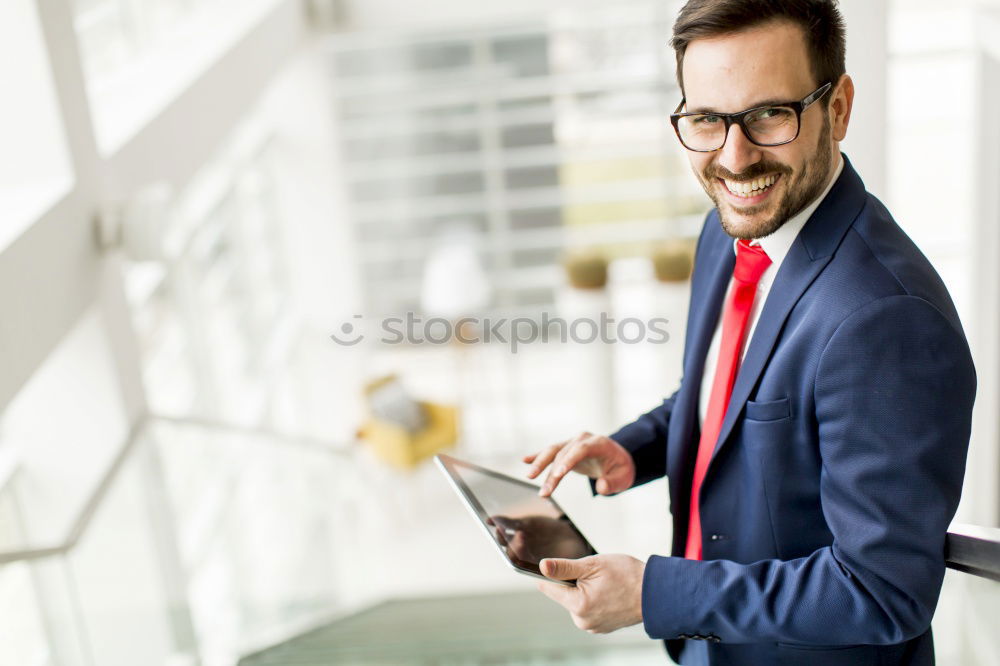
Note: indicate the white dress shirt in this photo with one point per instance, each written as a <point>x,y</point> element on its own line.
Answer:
<point>776,246</point>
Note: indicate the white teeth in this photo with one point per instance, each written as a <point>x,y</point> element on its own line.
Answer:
<point>747,189</point>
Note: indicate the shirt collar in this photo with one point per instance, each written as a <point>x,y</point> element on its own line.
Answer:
<point>777,244</point>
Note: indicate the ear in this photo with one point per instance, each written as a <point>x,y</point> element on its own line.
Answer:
<point>840,107</point>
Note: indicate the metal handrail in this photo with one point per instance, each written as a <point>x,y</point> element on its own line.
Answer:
<point>304,441</point>
<point>974,550</point>
<point>88,509</point>
<point>93,502</point>
<point>970,549</point>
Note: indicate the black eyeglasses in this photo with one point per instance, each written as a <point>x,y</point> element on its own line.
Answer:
<point>771,125</point>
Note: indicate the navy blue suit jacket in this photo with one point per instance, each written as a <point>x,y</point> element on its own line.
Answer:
<point>841,458</point>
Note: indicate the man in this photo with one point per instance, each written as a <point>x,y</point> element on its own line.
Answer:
<point>816,446</point>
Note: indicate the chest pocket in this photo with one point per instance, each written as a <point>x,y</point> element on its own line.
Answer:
<point>768,410</point>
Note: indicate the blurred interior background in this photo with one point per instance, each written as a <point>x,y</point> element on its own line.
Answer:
<point>195,195</point>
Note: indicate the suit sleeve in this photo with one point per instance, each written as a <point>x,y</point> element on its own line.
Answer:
<point>646,439</point>
<point>893,393</point>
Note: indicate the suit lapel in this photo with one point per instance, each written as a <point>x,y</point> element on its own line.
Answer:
<point>806,259</point>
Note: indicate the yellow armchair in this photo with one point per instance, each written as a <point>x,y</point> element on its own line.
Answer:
<point>394,445</point>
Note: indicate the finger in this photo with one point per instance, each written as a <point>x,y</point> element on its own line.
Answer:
<point>562,595</point>
<point>615,477</point>
<point>561,569</point>
<point>544,458</point>
<point>528,458</point>
<point>566,460</point>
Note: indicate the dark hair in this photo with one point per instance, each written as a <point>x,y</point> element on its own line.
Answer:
<point>820,20</point>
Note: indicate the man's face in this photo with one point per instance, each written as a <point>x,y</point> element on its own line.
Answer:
<point>736,72</point>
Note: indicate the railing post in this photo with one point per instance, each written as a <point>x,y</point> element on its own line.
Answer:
<point>163,527</point>
<point>867,58</point>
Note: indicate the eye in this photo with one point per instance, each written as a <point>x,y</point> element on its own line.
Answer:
<point>764,114</point>
<point>770,114</point>
<point>706,120</point>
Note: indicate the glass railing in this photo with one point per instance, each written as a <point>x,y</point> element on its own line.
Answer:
<point>203,542</point>
<point>24,636</point>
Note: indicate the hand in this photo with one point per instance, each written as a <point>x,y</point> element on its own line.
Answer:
<point>595,456</point>
<point>608,592</point>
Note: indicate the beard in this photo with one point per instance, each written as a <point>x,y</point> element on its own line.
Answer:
<point>799,191</point>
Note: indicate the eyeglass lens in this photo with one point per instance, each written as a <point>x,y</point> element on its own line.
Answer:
<point>768,126</point>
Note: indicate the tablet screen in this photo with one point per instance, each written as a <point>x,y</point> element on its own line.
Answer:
<point>526,527</point>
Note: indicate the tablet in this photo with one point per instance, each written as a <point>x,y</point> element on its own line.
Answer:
<point>524,527</point>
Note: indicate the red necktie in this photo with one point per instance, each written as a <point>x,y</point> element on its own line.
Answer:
<point>751,261</point>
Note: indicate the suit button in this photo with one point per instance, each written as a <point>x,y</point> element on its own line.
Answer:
<point>714,638</point>
<point>717,537</point>
<point>684,636</point>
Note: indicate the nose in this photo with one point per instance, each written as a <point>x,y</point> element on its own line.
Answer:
<point>738,153</point>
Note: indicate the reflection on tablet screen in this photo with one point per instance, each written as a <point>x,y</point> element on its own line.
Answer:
<point>528,527</point>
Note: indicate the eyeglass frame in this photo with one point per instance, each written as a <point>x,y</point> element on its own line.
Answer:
<point>799,107</point>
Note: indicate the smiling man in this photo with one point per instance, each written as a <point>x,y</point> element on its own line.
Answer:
<point>816,447</point>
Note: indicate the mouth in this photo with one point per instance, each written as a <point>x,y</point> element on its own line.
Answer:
<point>750,193</point>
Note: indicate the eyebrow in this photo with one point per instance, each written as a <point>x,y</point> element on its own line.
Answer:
<point>766,102</point>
